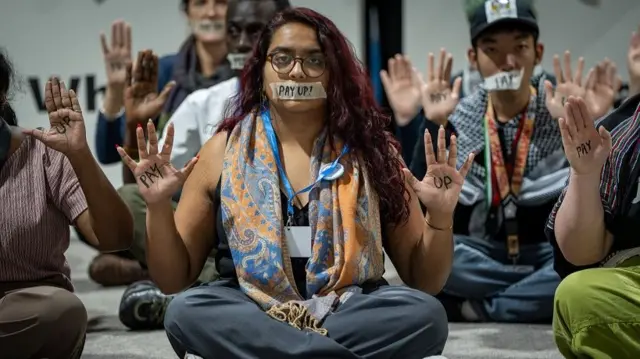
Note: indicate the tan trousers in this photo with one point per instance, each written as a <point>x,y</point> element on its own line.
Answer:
<point>132,197</point>
<point>38,322</point>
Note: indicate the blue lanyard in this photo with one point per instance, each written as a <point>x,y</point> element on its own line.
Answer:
<point>329,172</point>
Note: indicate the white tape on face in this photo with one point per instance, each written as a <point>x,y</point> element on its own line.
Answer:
<point>209,27</point>
<point>238,60</point>
<point>504,81</point>
<point>291,90</point>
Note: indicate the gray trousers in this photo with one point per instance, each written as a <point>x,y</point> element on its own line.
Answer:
<point>217,320</point>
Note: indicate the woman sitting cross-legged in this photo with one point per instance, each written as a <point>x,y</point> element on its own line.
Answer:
<point>301,264</point>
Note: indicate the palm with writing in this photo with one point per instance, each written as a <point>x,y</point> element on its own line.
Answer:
<point>440,188</point>
<point>402,88</point>
<point>67,133</point>
<point>598,89</point>
<point>157,179</point>
<point>439,98</point>
<point>569,83</point>
<point>586,147</point>
<point>141,98</point>
<point>118,55</point>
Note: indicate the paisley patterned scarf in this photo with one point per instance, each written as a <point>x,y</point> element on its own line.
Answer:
<point>345,228</point>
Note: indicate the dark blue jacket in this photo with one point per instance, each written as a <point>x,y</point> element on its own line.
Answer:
<point>110,133</point>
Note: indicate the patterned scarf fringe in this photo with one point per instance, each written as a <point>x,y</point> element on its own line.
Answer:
<point>297,315</point>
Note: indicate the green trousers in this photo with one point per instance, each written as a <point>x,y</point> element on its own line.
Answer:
<point>597,313</point>
<point>132,197</point>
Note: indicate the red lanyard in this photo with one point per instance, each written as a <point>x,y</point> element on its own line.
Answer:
<point>495,155</point>
<point>507,185</point>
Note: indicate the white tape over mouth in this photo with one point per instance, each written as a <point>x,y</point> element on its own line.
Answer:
<point>209,27</point>
<point>504,81</point>
<point>237,60</point>
<point>291,90</point>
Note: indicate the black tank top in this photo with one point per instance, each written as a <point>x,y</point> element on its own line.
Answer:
<point>224,260</point>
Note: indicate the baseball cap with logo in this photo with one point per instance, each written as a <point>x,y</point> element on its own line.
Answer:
<point>484,15</point>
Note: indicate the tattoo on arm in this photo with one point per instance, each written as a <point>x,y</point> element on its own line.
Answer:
<point>440,182</point>
<point>150,176</point>
<point>584,149</point>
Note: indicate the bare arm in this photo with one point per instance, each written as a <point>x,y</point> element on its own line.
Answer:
<point>422,254</point>
<point>113,101</point>
<point>107,222</point>
<point>579,227</point>
<point>130,144</point>
<point>178,244</point>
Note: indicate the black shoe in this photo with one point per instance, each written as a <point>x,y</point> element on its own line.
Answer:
<point>143,305</point>
<point>452,305</point>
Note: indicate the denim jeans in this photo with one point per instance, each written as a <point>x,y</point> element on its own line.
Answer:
<point>497,289</point>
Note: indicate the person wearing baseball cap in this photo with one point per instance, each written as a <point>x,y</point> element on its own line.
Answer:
<point>500,14</point>
<point>471,79</point>
<point>503,265</point>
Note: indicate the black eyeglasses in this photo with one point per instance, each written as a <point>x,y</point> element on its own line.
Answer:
<point>312,66</point>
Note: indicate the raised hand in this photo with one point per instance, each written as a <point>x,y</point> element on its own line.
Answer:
<point>569,83</point>
<point>118,56</point>
<point>141,99</point>
<point>440,188</point>
<point>586,148</point>
<point>601,89</point>
<point>402,88</point>
<point>67,133</point>
<point>439,99</point>
<point>157,179</point>
<point>598,89</point>
<point>633,62</point>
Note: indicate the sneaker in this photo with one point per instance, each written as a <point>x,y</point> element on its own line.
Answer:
<point>143,305</point>
<point>112,270</point>
<point>469,313</point>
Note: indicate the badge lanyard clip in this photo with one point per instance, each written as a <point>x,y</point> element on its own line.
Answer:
<point>328,172</point>
<point>507,188</point>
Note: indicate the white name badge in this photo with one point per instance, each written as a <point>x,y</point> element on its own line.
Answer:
<point>298,241</point>
<point>503,81</point>
<point>291,90</point>
<point>192,356</point>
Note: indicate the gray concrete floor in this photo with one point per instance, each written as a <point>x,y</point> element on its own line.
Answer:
<point>108,339</point>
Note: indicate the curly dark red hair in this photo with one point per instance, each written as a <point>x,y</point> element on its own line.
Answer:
<point>353,114</point>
